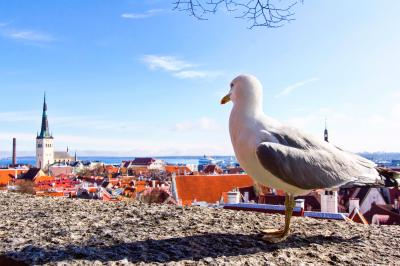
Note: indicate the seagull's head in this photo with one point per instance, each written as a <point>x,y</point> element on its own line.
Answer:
<point>245,90</point>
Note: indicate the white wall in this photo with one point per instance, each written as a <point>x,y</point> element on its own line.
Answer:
<point>372,196</point>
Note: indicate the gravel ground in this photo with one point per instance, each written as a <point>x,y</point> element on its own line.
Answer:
<point>57,231</point>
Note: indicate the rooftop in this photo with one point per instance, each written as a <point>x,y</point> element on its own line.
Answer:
<point>208,188</point>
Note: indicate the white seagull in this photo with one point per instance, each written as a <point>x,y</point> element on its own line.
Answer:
<point>285,158</point>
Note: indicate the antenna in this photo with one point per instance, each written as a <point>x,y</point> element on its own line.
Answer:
<point>326,131</point>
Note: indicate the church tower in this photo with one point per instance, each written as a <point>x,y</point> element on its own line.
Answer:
<point>326,133</point>
<point>44,142</point>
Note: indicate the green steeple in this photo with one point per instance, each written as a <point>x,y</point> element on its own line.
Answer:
<point>44,132</point>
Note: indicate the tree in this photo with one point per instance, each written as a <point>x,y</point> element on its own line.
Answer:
<point>260,13</point>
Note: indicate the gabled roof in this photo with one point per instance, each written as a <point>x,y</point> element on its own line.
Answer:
<point>208,188</point>
<point>125,164</point>
<point>31,174</point>
<point>212,169</point>
<point>143,161</point>
<point>356,216</point>
<point>74,164</point>
<point>62,155</point>
<point>362,192</point>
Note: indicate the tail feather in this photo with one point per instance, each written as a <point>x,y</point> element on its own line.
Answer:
<point>384,178</point>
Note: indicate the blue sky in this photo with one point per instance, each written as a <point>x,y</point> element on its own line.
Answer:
<point>137,78</point>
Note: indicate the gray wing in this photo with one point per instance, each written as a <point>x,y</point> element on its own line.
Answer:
<point>308,165</point>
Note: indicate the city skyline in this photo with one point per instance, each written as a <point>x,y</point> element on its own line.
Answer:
<point>134,79</point>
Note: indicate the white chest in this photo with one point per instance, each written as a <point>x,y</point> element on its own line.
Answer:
<point>245,137</point>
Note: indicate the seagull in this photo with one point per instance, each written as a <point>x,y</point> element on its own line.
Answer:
<point>282,157</point>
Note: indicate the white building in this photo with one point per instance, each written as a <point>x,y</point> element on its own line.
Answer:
<point>44,143</point>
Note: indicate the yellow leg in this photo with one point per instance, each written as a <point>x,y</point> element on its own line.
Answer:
<point>273,235</point>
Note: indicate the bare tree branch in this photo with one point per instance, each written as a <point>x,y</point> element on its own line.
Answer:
<point>260,13</point>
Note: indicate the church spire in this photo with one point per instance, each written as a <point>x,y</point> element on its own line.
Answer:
<point>44,132</point>
<point>326,133</point>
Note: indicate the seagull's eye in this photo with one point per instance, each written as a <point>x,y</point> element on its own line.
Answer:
<point>231,85</point>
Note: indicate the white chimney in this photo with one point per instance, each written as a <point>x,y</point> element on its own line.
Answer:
<point>329,201</point>
<point>353,204</point>
<point>299,203</point>
<point>233,197</point>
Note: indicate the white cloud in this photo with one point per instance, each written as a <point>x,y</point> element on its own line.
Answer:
<point>395,112</point>
<point>23,116</point>
<point>117,146</point>
<point>146,14</point>
<point>167,63</point>
<point>97,124</point>
<point>203,124</point>
<point>7,136</point>
<point>395,94</point>
<point>189,74</point>
<point>291,88</point>
<point>177,67</point>
<point>30,36</point>
<point>354,131</point>
<point>75,122</point>
<point>24,35</point>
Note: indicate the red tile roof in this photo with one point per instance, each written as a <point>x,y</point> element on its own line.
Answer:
<point>44,179</point>
<point>208,188</point>
<point>7,174</point>
<point>177,169</point>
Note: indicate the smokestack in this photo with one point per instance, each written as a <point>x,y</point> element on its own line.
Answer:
<point>14,153</point>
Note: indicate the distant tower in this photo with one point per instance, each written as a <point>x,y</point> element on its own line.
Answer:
<point>326,133</point>
<point>14,152</point>
<point>44,142</point>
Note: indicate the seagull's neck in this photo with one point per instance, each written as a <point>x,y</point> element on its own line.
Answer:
<point>248,109</point>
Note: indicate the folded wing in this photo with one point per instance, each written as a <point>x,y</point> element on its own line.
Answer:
<point>311,167</point>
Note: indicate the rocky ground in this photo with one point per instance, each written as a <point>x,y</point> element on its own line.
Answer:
<point>57,231</point>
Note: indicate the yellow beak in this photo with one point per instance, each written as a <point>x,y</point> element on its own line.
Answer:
<point>226,99</point>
